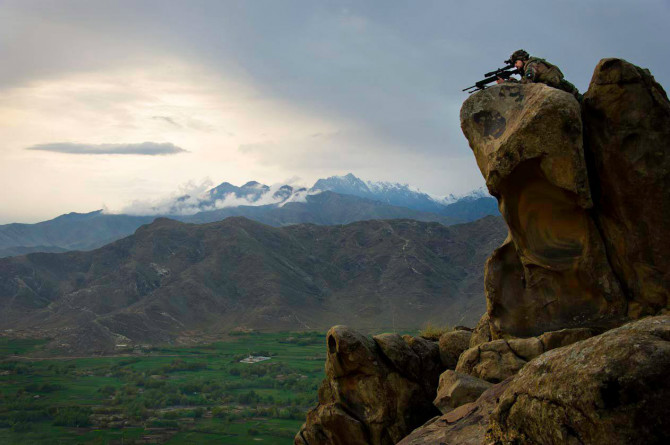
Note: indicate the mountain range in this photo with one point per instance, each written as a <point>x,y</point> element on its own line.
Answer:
<point>172,281</point>
<point>334,200</point>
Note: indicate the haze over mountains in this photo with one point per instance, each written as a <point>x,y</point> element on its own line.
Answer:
<point>334,200</point>
<point>172,281</point>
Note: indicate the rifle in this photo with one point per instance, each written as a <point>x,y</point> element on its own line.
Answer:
<point>504,73</point>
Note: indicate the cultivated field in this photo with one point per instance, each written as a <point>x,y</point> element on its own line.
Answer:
<point>174,395</point>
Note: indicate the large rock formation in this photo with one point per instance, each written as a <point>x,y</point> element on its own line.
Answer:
<point>376,390</point>
<point>627,125</point>
<point>612,388</point>
<point>583,248</point>
<point>497,360</point>
<point>585,192</point>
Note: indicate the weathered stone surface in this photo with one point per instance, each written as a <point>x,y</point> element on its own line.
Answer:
<point>565,337</point>
<point>627,128</point>
<point>466,425</point>
<point>376,390</point>
<point>493,361</point>
<point>334,427</point>
<point>482,332</point>
<point>496,360</point>
<point>457,389</point>
<point>612,388</point>
<point>452,344</point>
<point>429,359</point>
<point>403,357</point>
<point>526,348</point>
<point>552,272</point>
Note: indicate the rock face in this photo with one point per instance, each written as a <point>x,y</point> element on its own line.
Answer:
<point>466,425</point>
<point>482,332</point>
<point>376,390</point>
<point>452,344</point>
<point>627,126</point>
<point>583,249</point>
<point>552,271</point>
<point>497,360</point>
<point>612,388</point>
<point>457,389</point>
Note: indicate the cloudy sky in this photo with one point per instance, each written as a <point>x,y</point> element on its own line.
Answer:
<point>106,102</point>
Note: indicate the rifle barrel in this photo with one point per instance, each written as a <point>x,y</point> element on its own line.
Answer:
<point>503,73</point>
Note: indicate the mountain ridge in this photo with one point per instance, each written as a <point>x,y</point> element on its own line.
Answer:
<point>276,206</point>
<point>172,277</point>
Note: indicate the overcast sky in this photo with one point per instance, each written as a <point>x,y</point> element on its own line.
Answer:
<point>105,102</point>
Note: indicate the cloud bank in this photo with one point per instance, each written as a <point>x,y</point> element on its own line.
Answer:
<point>192,198</point>
<point>145,148</point>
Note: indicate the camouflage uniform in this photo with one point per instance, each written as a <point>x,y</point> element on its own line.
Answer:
<point>536,70</point>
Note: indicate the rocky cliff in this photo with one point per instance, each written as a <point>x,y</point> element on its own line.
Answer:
<point>583,248</point>
<point>585,190</point>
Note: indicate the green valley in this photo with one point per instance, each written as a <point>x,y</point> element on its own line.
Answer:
<point>175,395</point>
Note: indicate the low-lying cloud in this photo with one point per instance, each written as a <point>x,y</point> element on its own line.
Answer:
<point>144,148</point>
<point>192,198</point>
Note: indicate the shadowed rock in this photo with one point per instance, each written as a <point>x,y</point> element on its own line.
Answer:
<point>627,127</point>
<point>497,360</point>
<point>612,388</point>
<point>376,390</point>
<point>466,425</point>
<point>458,389</point>
<point>552,271</point>
<point>452,344</point>
<point>482,332</point>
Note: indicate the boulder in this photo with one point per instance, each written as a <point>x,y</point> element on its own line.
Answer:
<point>457,389</point>
<point>429,359</point>
<point>493,361</point>
<point>612,388</point>
<point>627,132</point>
<point>376,390</point>
<point>552,272</point>
<point>466,425</point>
<point>452,344</point>
<point>496,360</point>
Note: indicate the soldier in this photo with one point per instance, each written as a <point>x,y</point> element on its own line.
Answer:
<point>534,70</point>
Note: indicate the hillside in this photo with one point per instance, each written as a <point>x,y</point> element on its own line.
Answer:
<point>172,279</point>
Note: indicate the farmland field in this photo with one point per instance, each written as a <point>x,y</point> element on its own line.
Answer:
<point>173,395</point>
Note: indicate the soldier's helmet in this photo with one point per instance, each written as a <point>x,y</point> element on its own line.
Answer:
<point>518,55</point>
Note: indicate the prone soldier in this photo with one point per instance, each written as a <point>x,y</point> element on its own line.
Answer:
<point>536,70</point>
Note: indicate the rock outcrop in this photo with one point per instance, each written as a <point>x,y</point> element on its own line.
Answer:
<point>583,249</point>
<point>466,425</point>
<point>627,127</point>
<point>452,344</point>
<point>585,192</point>
<point>552,271</point>
<point>497,360</point>
<point>376,390</point>
<point>612,388</point>
<point>457,389</point>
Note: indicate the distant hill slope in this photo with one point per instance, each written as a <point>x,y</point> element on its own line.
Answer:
<point>73,231</point>
<point>88,231</point>
<point>172,279</point>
